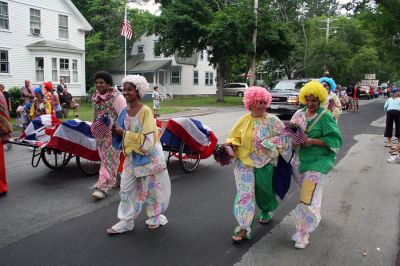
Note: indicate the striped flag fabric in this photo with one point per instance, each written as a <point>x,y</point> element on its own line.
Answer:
<point>101,127</point>
<point>126,29</point>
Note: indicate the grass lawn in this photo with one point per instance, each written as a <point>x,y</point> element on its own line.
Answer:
<point>167,106</point>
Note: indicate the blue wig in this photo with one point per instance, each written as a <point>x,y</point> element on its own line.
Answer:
<point>38,90</point>
<point>331,82</point>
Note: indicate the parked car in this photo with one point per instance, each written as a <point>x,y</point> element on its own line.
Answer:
<point>285,96</point>
<point>235,89</point>
<point>365,92</point>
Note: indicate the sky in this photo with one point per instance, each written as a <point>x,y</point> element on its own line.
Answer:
<point>153,8</point>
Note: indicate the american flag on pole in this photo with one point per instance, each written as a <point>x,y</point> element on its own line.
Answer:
<point>126,29</point>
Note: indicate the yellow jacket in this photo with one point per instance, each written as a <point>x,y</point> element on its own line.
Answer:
<point>141,142</point>
<point>241,135</point>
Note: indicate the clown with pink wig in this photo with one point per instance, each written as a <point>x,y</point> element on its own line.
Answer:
<point>257,141</point>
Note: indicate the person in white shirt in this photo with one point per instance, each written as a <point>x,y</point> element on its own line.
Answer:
<point>156,101</point>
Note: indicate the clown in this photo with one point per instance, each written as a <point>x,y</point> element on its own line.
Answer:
<point>257,141</point>
<point>145,182</point>
<point>40,105</point>
<point>313,159</point>
<point>332,103</point>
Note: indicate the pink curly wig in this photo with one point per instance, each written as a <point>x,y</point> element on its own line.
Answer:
<point>254,95</point>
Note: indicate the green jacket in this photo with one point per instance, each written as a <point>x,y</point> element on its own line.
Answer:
<point>317,158</point>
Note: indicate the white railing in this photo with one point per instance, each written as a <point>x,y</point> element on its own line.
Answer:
<point>166,91</point>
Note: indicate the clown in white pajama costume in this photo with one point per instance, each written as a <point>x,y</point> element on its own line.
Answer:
<point>145,180</point>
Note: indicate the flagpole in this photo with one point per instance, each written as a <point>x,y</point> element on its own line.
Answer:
<point>125,39</point>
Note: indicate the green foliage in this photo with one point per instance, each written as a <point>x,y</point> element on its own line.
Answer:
<point>15,96</point>
<point>104,43</point>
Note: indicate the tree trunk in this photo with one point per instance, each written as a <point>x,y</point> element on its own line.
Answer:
<point>222,75</point>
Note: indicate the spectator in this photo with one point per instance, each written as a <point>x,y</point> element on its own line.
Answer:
<point>392,109</point>
<point>22,116</point>
<point>156,101</point>
<point>61,86</point>
<point>355,96</point>
<point>52,96</point>
<point>40,105</point>
<point>6,96</point>
<point>67,102</point>
<point>27,92</point>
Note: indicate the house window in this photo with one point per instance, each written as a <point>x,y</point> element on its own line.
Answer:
<point>201,55</point>
<point>140,49</point>
<point>63,26</point>
<point>54,71</point>
<point>157,52</point>
<point>4,23</point>
<point>4,62</point>
<point>208,55</point>
<point>75,70</point>
<point>209,78</point>
<point>39,67</point>
<point>175,76</point>
<point>64,70</point>
<point>195,77</point>
<point>35,21</point>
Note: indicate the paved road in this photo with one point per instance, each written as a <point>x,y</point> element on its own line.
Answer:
<point>48,218</point>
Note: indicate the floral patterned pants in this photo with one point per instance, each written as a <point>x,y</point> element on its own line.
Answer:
<point>244,206</point>
<point>153,192</point>
<point>308,211</point>
<point>109,157</point>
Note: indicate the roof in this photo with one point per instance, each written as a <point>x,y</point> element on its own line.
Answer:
<point>55,46</point>
<point>131,61</point>
<point>86,25</point>
<point>151,65</point>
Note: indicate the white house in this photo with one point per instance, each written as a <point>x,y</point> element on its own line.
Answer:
<point>173,75</point>
<point>42,40</point>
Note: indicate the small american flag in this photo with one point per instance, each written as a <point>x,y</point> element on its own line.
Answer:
<point>126,29</point>
<point>296,133</point>
<point>101,127</point>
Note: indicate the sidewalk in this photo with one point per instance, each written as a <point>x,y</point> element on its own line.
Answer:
<point>360,215</point>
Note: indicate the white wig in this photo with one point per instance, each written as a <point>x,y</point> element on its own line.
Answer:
<point>139,82</point>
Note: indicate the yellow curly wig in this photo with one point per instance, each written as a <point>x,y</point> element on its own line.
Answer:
<point>315,89</point>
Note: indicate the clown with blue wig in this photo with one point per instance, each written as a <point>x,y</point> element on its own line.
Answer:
<point>332,103</point>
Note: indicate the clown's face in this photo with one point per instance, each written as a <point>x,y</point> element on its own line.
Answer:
<point>259,109</point>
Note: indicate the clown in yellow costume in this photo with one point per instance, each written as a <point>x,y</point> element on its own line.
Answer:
<point>257,142</point>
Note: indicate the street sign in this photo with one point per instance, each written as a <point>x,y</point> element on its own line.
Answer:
<point>370,82</point>
<point>370,76</point>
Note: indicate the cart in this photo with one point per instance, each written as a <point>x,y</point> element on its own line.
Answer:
<point>189,141</point>
<point>56,143</point>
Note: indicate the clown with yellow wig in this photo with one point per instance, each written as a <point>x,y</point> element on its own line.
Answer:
<point>314,158</point>
<point>257,141</point>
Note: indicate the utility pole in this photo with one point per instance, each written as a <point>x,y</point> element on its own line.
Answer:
<point>253,60</point>
<point>328,27</point>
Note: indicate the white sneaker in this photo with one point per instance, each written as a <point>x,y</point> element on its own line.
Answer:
<point>98,194</point>
<point>159,220</point>
<point>121,227</point>
<point>31,149</point>
<point>300,245</point>
<point>394,159</point>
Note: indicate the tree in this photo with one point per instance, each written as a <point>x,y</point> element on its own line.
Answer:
<point>224,28</point>
<point>104,43</point>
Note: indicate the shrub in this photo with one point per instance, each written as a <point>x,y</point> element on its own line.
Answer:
<point>15,95</point>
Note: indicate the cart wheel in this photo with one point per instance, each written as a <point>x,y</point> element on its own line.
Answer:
<point>188,158</point>
<point>88,167</point>
<point>55,159</point>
